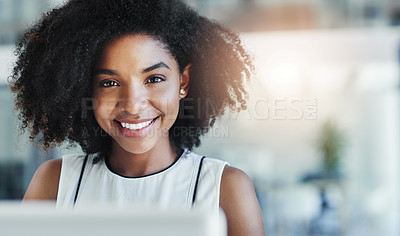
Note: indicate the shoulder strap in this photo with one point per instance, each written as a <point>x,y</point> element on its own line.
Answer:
<point>197,180</point>
<point>80,177</point>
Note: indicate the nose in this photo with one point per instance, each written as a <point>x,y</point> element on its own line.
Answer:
<point>133,100</point>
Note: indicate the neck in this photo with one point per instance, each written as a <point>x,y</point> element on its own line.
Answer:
<point>152,161</point>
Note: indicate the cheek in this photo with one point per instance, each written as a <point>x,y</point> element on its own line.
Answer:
<point>165,99</point>
<point>169,104</point>
<point>103,108</point>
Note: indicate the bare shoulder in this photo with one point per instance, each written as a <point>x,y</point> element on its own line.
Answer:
<point>44,184</point>
<point>235,186</point>
<point>240,204</point>
<point>233,177</point>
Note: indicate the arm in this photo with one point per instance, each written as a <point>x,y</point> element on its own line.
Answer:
<point>240,204</point>
<point>44,184</point>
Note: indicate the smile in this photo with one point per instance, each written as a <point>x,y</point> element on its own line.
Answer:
<point>136,126</point>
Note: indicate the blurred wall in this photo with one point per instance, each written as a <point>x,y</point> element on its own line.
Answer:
<point>305,78</point>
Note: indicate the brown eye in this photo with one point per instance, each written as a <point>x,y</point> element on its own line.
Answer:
<point>155,79</point>
<point>108,83</point>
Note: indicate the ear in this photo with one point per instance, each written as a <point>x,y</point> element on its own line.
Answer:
<point>184,84</point>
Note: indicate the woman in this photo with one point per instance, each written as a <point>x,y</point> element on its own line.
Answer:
<point>135,84</point>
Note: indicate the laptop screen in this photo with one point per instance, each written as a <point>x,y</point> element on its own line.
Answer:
<point>45,219</point>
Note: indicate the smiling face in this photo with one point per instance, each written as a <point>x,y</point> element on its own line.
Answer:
<point>136,93</point>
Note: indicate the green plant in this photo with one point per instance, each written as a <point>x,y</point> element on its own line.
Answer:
<point>330,143</point>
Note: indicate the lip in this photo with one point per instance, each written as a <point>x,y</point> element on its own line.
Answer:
<point>134,121</point>
<point>135,133</point>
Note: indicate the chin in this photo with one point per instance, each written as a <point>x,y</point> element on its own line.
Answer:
<point>140,145</point>
<point>136,148</point>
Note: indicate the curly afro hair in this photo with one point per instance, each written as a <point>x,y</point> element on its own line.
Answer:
<point>57,58</point>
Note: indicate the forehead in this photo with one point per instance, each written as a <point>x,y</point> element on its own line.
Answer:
<point>138,49</point>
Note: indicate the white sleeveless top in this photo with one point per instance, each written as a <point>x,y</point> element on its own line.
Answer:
<point>173,186</point>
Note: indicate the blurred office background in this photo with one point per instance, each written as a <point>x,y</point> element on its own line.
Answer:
<point>321,137</point>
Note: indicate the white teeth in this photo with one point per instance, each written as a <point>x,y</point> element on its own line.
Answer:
<point>136,126</point>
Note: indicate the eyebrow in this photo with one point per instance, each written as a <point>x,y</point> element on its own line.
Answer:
<point>148,69</point>
<point>156,66</point>
<point>106,72</point>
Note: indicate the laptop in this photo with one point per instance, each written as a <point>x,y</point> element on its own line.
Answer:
<point>41,219</point>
